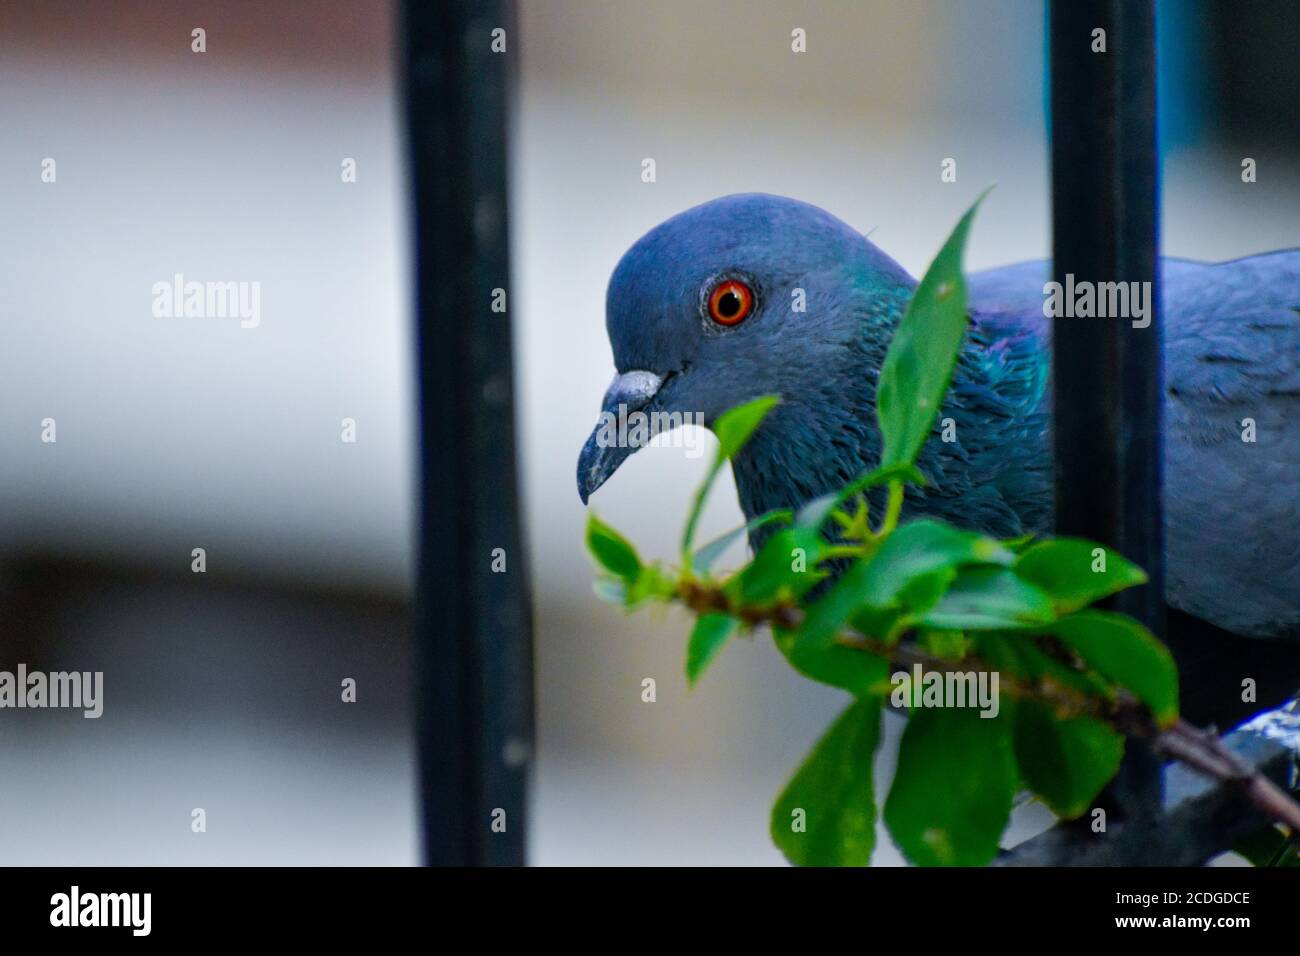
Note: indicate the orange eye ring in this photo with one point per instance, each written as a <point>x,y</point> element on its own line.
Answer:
<point>730,302</point>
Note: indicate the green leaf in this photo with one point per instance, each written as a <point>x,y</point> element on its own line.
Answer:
<point>952,791</point>
<point>946,645</point>
<point>824,619</point>
<point>707,637</point>
<point>1017,654</point>
<point>989,598</point>
<point>815,512</point>
<point>1020,543</point>
<point>826,816</point>
<point>611,550</point>
<point>1066,762</point>
<point>733,428</point>
<point>786,561</point>
<point>881,623</point>
<point>923,352</point>
<point>1066,568</point>
<point>911,569</point>
<point>918,549</point>
<point>1121,649</point>
<point>858,672</point>
<point>843,602</point>
<point>922,593</point>
<point>651,582</point>
<point>705,557</point>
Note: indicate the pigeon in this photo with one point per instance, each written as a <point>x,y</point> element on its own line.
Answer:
<point>756,294</point>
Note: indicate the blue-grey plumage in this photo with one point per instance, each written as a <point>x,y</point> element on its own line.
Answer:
<point>1231,346</point>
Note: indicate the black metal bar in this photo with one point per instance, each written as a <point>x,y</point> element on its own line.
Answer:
<point>1106,372</point>
<point>473,641</point>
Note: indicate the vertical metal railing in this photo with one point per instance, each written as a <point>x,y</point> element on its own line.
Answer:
<point>473,641</point>
<point>1107,373</point>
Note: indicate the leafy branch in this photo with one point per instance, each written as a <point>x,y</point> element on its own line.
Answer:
<point>849,596</point>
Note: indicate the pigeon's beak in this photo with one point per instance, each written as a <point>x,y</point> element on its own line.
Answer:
<point>608,447</point>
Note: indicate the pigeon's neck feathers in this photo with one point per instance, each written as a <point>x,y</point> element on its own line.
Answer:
<point>824,432</point>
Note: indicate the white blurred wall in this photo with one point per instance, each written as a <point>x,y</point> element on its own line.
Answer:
<point>176,433</point>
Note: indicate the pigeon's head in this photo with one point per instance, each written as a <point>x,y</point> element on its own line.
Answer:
<point>744,296</point>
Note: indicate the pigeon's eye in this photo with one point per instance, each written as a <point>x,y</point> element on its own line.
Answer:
<point>730,302</point>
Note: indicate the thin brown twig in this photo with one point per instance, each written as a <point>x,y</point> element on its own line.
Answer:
<point>1205,753</point>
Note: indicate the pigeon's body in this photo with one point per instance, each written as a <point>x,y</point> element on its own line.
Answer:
<point>1231,347</point>
<point>1231,337</point>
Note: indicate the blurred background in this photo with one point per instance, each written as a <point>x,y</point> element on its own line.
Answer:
<point>222,689</point>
